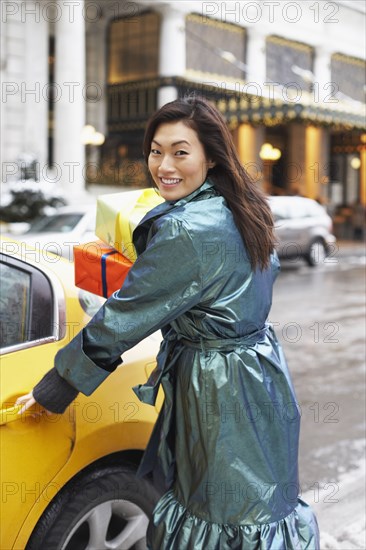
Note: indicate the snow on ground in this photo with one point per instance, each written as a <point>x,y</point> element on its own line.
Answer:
<point>340,510</point>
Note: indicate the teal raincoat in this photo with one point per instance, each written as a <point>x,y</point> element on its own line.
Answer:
<point>225,445</point>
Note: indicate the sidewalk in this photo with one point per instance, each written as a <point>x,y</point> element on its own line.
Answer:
<point>342,520</point>
<point>351,248</point>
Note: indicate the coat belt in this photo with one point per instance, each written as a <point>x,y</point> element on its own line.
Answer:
<point>159,456</point>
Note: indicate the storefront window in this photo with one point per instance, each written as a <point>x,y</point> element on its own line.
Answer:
<point>348,75</point>
<point>288,61</point>
<point>133,48</point>
<point>214,47</point>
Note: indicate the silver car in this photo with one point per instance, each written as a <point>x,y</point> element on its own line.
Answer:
<point>303,229</point>
<point>58,232</point>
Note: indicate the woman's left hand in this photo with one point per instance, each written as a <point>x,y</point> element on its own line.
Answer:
<point>28,401</point>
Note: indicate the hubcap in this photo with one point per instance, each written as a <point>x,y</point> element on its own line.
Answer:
<point>317,253</point>
<point>114,524</point>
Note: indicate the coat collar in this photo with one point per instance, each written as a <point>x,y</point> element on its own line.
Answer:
<point>203,191</point>
<point>206,190</point>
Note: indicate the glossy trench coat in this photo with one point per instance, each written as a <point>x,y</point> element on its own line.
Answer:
<point>225,445</point>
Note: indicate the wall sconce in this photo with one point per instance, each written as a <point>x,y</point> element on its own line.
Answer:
<point>89,136</point>
<point>268,152</point>
<point>355,163</point>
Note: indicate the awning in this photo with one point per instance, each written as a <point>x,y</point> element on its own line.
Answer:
<point>130,104</point>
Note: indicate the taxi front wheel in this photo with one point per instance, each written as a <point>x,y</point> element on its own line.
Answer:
<point>104,509</point>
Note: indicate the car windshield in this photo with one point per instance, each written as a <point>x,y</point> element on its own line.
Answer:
<point>59,223</point>
<point>279,210</point>
<point>295,208</point>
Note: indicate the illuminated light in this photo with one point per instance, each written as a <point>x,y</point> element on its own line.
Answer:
<point>268,152</point>
<point>228,56</point>
<point>98,138</point>
<point>232,105</point>
<point>222,105</point>
<point>355,163</point>
<point>86,134</point>
<point>89,136</point>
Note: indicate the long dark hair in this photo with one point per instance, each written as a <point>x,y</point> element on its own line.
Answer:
<point>246,200</point>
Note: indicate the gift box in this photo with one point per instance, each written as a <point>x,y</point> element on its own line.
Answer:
<point>99,268</point>
<point>119,213</point>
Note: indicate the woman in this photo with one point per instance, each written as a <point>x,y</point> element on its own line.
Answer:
<point>226,442</point>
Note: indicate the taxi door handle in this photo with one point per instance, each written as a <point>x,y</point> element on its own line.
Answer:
<point>10,414</point>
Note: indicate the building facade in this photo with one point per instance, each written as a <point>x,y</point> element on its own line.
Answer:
<point>289,77</point>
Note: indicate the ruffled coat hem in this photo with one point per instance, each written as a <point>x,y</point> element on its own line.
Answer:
<point>176,528</point>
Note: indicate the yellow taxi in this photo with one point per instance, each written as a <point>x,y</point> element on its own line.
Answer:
<point>67,481</point>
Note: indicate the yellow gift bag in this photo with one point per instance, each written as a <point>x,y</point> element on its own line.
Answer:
<point>119,213</point>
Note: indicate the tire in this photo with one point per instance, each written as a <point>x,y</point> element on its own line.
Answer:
<point>108,508</point>
<point>316,253</point>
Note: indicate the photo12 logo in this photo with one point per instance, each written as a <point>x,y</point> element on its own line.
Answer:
<point>67,10</point>
<point>271,12</point>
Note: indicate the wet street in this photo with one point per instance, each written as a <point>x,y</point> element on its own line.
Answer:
<point>319,316</point>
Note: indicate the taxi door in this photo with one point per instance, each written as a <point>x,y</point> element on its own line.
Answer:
<point>33,447</point>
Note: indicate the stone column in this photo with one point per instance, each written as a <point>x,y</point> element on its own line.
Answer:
<point>172,55</point>
<point>3,104</point>
<point>249,142</point>
<point>12,105</point>
<point>36,88</point>
<point>363,171</point>
<point>296,168</point>
<point>70,106</point>
<point>317,162</point>
<point>322,87</point>
<point>256,56</point>
<point>97,79</point>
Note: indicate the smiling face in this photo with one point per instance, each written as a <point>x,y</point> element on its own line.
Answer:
<point>177,160</point>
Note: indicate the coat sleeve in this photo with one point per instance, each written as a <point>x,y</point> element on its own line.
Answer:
<point>163,283</point>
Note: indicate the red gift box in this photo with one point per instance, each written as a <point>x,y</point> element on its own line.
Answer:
<point>99,268</point>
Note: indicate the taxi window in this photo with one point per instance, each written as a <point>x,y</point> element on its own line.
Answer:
<point>26,303</point>
<point>14,305</point>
